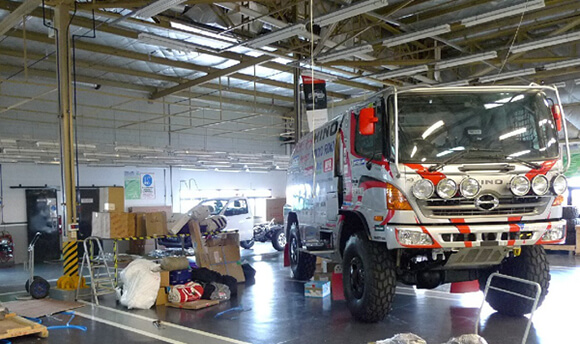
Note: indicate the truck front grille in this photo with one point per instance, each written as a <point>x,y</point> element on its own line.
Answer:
<point>513,206</point>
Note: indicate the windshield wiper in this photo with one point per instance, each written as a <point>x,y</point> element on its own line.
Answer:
<point>459,155</point>
<point>524,162</point>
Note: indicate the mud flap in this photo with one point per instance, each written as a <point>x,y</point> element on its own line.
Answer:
<point>286,255</point>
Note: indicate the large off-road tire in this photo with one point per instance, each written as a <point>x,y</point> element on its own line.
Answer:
<point>569,212</point>
<point>369,278</point>
<point>279,239</point>
<point>301,263</point>
<point>531,265</point>
<point>247,244</point>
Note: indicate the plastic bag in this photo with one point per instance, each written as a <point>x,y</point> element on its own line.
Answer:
<point>403,338</point>
<point>221,292</point>
<point>141,283</point>
<point>467,339</point>
<point>174,263</point>
<point>185,293</point>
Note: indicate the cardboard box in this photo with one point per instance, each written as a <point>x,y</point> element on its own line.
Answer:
<point>275,209</point>
<point>223,239</point>
<point>112,199</point>
<point>323,276</point>
<point>140,230</point>
<point>161,297</point>
<point>233,269</point>
<point>113,225</point>
<point>176,222</point>
<point>164,278</point>
<point>199,304</point>
<point>155,223</point>
<point>318,289</point>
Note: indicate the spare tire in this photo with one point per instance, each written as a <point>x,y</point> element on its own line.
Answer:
<point>569,212</point>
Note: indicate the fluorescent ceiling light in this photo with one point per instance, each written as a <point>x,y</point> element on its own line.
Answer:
<point>561,84</point>
<point>167,42</point>
<point>454,83</point>
<point>395,73</point>
<point>138,149</point>
<point>276,36</point>
<point>465,60</point>
<point>413,36</point>
<point>432,128</point>
<point>502,13</point>
<point>350,11</point>
<point>344,53</point>
<point>562,64</point>
<point>156,7</point>
<point>546,42</point>
<point>319,75</point>
<point>515,74</point>
<point>7,143</point>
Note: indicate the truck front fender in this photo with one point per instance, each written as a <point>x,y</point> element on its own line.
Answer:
<point>352,222</point>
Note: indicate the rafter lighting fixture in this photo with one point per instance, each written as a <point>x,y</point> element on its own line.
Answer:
<point>466,60</point>
<point>562,64</point>
<point>457,83</point>
<point>413,36</point>
<point>402,72</point>
<point>166,42</point>
<point>156,7</point>
<point>502,13</point>
<point>350,11</point>
<point>344,53</point>
<point>546,42</point>
<point>319,75</point>
<point>510,75</point>
<point>276,36</point>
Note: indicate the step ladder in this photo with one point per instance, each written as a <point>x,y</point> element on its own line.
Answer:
<point>100,278</point>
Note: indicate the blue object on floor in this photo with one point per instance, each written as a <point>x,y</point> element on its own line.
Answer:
<point>68,325</point>
<point>234,309</point>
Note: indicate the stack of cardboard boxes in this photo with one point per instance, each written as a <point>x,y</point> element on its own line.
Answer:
<point>118,224</point>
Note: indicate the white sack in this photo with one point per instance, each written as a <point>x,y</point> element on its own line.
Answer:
<point>141,282</point>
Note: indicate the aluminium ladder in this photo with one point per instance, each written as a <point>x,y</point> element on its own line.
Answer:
<point>101,282</point>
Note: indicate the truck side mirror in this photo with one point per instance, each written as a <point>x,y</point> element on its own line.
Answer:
<point>366,121</point>
<point>557,113</point>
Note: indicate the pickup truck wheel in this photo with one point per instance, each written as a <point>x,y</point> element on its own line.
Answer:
<point>301,263</point>
<point>368,277</point>
<point>531,265</point>
<point>279,239</point>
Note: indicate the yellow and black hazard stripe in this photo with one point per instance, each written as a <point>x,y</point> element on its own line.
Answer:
<point>151,237</point>
<point>71,258</point>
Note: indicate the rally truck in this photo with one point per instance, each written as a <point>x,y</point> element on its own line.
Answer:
<point>428,186</point>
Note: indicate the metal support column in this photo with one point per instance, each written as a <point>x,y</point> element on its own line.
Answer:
<point>62,21</point>
<point>297,106</point>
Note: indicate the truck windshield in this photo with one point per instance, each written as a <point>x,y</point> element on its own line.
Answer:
<point>506,126</point>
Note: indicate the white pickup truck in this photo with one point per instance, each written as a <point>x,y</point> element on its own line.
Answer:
<point>238,214</point>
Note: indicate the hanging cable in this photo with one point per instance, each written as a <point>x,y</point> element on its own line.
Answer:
<point>504,62</point>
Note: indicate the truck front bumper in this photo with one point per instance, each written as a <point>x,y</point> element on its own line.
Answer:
<point>462,235</point>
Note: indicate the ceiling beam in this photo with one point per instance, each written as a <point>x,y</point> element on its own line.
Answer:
<point>16,15</point>
<point>211,76</point>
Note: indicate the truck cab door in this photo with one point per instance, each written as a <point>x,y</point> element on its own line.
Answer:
<point>239,217</point>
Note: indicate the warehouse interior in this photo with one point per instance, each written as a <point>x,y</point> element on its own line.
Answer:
<point>176,102</point>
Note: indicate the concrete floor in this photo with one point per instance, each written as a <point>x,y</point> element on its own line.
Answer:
<point>275,311</point>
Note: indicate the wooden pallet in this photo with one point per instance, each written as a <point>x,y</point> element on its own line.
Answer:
<point>571,249</point>
<point>15,326</point>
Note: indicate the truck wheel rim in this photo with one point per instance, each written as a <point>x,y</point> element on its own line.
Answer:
<point>282,240</point>
<point>357,277</point>
<point>294,250</point>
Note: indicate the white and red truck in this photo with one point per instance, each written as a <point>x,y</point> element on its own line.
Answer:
<point>427,186</point>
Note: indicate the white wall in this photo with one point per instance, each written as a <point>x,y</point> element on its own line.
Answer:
<point>14,210</point>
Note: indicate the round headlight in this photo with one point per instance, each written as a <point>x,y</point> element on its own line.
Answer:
<point>559,184</point>
<point>540,185</point>
<point>423,189</point>
<point>446,188</point>
<point>520,185</point>
<point>469,187</point>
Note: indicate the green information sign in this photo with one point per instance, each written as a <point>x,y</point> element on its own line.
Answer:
<point>132,185</point>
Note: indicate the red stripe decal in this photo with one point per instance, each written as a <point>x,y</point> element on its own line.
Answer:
<point>468,244</point>
<point>546,166</point>
<point>389,216</point>
<point>511,242</point>
<point>514,219</point>
<point>434,177</point>
<point>461,226</point>
<point>373,184</point>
